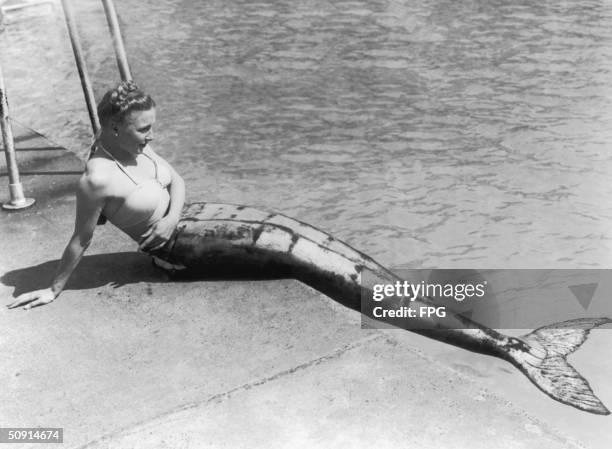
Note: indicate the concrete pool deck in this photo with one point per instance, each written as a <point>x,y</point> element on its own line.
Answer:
<point>127,358</point>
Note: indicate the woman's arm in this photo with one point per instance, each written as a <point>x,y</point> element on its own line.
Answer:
<point>177,196</point>
<point>160,233</point>
<point>90,201</point>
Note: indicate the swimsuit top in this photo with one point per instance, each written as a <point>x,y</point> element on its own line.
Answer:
<point>143,206</point>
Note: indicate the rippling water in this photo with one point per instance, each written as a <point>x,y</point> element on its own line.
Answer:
<point>425,133</point>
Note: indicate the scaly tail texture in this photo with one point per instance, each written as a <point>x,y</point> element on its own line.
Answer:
<point>544,362</point>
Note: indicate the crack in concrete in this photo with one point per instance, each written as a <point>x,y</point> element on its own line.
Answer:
<point>152,422</point>
<point>496,396</point>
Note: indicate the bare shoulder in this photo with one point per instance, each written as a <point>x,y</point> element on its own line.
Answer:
<point>97,175</point>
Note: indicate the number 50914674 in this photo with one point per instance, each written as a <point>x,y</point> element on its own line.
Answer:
<point>31,435</point>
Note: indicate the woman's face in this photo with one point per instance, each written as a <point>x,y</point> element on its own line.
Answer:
<point>136,130</point>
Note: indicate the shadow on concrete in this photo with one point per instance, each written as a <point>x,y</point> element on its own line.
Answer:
<point>93,271</point>
<point>119,269</point>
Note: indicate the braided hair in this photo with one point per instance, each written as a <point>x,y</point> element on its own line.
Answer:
<point>117,103</point>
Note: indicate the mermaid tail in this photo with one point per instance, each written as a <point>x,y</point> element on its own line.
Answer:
<point>229,241</point>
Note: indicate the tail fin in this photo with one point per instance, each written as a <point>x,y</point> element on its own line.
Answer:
<point>546,366</point>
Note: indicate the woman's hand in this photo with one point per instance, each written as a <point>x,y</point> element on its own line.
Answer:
<point>34,299</point>
<point>158,234</point>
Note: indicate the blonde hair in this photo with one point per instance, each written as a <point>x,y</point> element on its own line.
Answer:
<point>118,102</point>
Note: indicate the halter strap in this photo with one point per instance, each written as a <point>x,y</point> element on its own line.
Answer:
<point>122,167</point>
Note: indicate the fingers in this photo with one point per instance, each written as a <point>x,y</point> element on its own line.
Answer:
<point>145,239</point>
<point>37,303</point>
<point>33,299</point>
<point>153,243</point>
<point>153,247</point>
<point>29,300</point>
<point>160,245</point>
<point>23,299</point>
<point>146,242</point>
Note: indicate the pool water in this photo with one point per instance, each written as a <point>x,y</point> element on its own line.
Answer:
<point>469,134</point>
